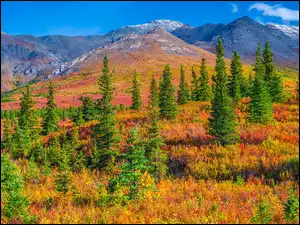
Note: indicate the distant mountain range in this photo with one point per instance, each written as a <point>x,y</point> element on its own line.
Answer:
<point>31,57</point>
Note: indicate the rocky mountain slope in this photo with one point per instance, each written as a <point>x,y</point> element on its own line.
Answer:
<point>32,57</point>
<point>242,35</point>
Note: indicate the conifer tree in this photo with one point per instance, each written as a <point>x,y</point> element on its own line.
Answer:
<point>88,108</point>
<point>268,63</point>
<point>15,204</point>
<point>236,77</point>
<point>7,142</point>
<point>136,95</point>
<point>223,124</point>
<point>105,132</point>
<point>135,165</point>
<point>183,92</point>
<point>27,118</point>
<point>276,88</point>
<point>272,79</point>
<point>78,117</point>
<point>153,149</point>
<point>50,122</point>
<point>167,104</point>
<point>154,97</point>
<point>195,85</point>
<point>260,106</point>
<point>204,88</point>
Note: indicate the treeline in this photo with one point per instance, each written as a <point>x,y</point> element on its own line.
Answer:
<point>143,162</point>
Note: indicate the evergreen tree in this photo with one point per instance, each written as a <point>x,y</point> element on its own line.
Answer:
<point>204,88</point>
<point>195,86</point>
<point>260,106</point>
<point>50,122</point>
<point>268,63</point>
<point>78,117</point>
<point>183,92</point>
<point>272,79</point>
<point>88,108</point>
<point>7,142</point>
<point>27,118</point>
<point>135,165</point>
<point>136,95</point>
<point>276,88</point>
<point>223,119</point>
<point>153,149</point>
<point>154,97</point>
<point>236,69</point>
<point>291,208</point>
<point>13,203</point>
<point>105,132</point>
<point>167,104</point>
<point>213,86</point>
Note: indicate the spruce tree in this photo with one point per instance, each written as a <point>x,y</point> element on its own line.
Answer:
<point>154,97</point>
<point>88,108</point>
<point>105,132</point>
<point>268,63</point>
<point>78,117</point>
<point>204,88</point>
<point>223,124</point>
<point>236,69</point>
<point>195,86</point>
<point>7,142</point>
<point>13,203</point>
<point>132,170</point>
<point>27,118</point>
<point>167,104</point>
<point>260,106</point>
<point>50,121</point>
<point>154,153</point>
<point>272,78</point>
<point>183,92</point>
<point>136,95</point>
<point>276,88</point>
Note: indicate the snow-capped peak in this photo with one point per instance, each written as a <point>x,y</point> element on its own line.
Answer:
<point>291,31</point>
<point>167,25</point>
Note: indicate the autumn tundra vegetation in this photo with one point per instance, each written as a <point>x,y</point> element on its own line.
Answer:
<point>222,149</point>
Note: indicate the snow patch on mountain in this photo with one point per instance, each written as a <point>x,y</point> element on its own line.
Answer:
<point>291,31</point>
<point>167,25</point>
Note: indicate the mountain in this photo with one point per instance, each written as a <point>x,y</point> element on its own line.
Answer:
<point>167,25</point>
<point>242,35</point>
<point>26,57</point>
<point>153,43</point>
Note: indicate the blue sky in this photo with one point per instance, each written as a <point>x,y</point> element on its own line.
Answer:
<point>88,18</point>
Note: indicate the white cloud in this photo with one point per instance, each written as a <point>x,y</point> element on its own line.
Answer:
<point>276,10</point>
<point>234,8</point>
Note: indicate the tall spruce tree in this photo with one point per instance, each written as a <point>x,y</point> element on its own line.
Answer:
<point>7,142</point>
<point>235,80</point>
<point>183,92</point>
<point>195,86</point>
<point>105,132</point>
<point>132,170</point>
<point>157,156</point>
<point>135,92</point>
<point>27,117</point>
<point>154,96</point>
<point>272,78</point>
<point>268,63</point>
<point>88,108</point>
<point>50,121</point>
<point>167,104</point>
<point>204,88</point>
<point>260,106</point>
<point>223,122</point>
